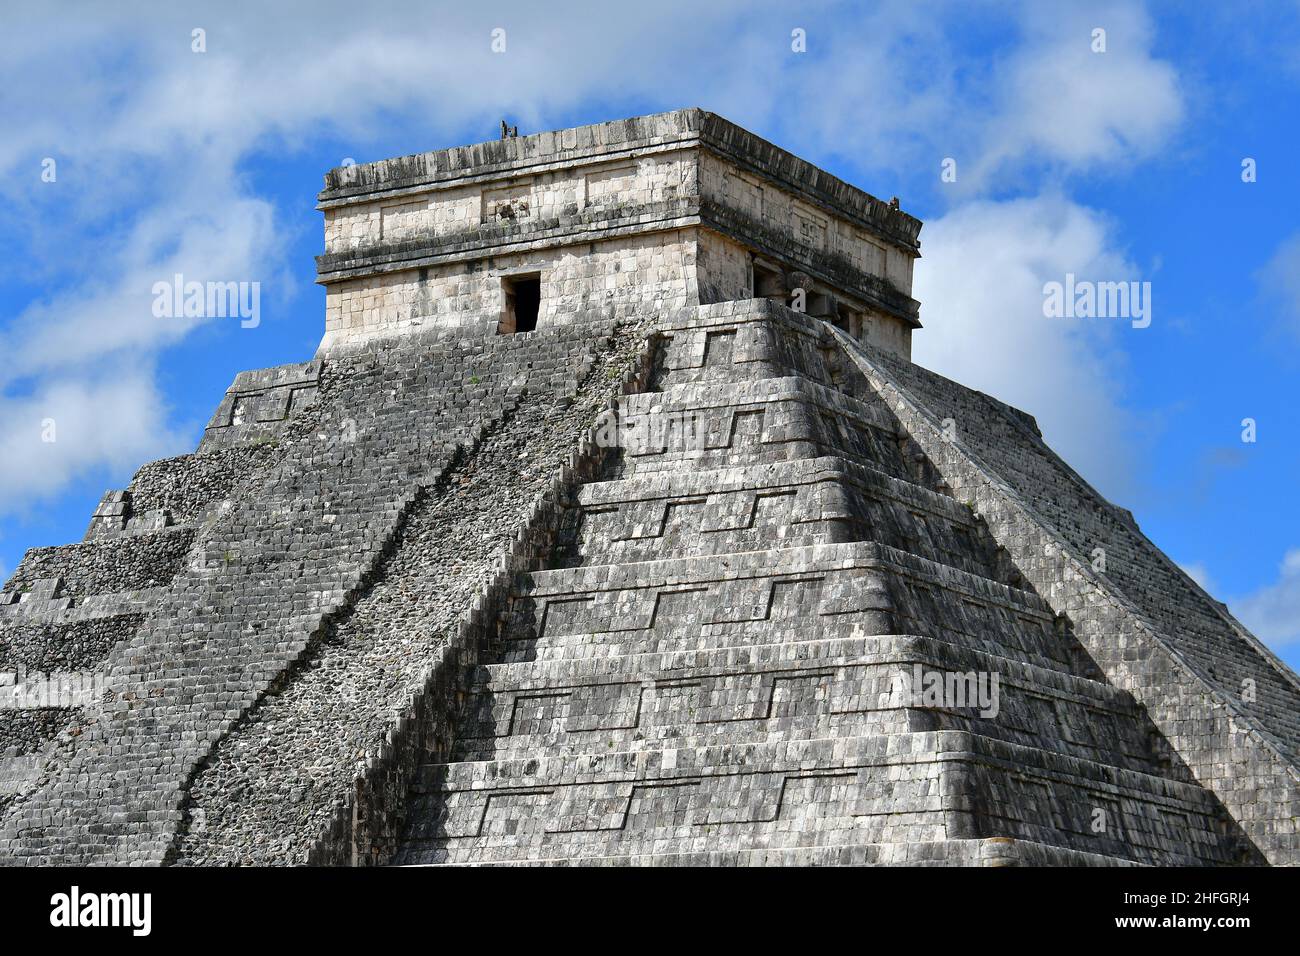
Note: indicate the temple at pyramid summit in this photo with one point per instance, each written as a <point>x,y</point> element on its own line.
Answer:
<point>611,523</point>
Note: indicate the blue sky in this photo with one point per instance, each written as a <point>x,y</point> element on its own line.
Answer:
<point>1117,165</point>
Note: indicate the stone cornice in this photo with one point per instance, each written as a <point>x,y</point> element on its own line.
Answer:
<point>504,238</point>
<point>542,152</point>
<point>496,239</point>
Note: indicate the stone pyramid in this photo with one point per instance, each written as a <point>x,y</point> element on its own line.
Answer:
<point>612,524</point>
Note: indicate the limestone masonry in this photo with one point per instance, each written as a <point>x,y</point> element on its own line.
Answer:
<point>611,523</point>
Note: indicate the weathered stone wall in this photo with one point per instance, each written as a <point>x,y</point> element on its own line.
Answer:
<point>616,217</point>
<point>272,569</point>
<point>617,279</point>
<point>186,487</point>
<point>252,802</point>
<point>806,223</point>
<point>724,269</point>
<point>44,646</point>
<point>102,567</point>
<point>882,333</point>
<point>448,214</point>
<point>1151,629</point>
<point>709,655</point>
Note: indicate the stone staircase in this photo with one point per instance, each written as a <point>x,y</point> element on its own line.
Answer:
<point>711,666</point>
<point>1204,632</point>
<point>1224,702</point>
<point>294,499</point>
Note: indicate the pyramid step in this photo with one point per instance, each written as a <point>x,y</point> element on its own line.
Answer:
<point>740,598</point>
<point>742,340</point>
<point>509,677</point>
<point>993,851</point>
<point>18,610</point>
<point>889,788</point>
<point>863,790</point>
<point>104,566</point>
<point>762,476</point>
<point>700,426</point>
<point>858,686</point>
<point>687,635</point>
<point>782,504</point>
<point>31,646</point>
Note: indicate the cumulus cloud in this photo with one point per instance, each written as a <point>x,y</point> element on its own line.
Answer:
<point>1280,281</point>
<point>896,95</point>
<point>216,238</point>
<point>149,136</point>
<point>1063,102</point>
<point>84,353</point>
<point>1273,612</point>
<point>912,89</point>
<point>279,73</point>
<point>981,290</point>
<point>152,138</point>
<point>68,428</point>
<point>1199,573</point>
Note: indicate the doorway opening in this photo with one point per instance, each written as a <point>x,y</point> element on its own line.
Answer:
<point>523,300</point>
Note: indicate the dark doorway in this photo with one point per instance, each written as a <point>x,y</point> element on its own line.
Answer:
<point>523,302</point>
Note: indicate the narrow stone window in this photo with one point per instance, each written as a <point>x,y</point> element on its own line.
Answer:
<point>523,295</point>
<point>768,284</point>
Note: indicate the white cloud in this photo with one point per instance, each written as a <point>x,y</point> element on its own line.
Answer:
<point>907,94</point>
<point>1273,612</point>
<point>1062,102</point>
<point>220,238</point>
<point>151,137</point>
<point>84,355</point>
<point>980,284</point>
<point>68,428</point>
<point>895,95</point>
<point>1280,280</point>
<point>1199,573</point>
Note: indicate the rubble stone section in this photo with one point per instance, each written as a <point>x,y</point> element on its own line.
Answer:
<point>286,766</point>
<point>106,566</point>
<point>272,568</point>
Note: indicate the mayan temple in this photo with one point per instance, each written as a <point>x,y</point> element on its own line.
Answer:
<point>611,523</point>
